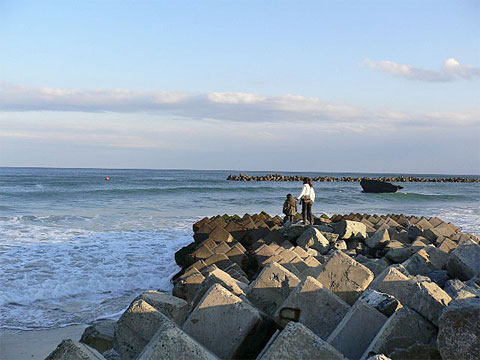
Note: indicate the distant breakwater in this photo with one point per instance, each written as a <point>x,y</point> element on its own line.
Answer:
<point>279,177</point>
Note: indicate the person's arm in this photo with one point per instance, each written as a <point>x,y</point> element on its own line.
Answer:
<point>304,190</point>
<point>312,194</point>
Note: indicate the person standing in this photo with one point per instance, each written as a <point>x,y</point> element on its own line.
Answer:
<point>290,208</point>
<point>307,198</point>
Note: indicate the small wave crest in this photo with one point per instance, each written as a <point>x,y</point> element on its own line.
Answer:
<point>409,196</point>
<point>78,279</point>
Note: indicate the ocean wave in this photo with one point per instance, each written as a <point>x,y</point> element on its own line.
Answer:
<point>135,191</point>
<point>82,278</point>
<point>409,196</point>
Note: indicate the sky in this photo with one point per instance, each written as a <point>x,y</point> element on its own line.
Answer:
<point>352,86</point>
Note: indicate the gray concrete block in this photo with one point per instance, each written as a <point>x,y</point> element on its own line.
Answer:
<point>171,342</point>
<point>398,255</point>
<point>425,261</point>
<point>345,277</point>
<point>458,290</point>
<point>69,349</point>
<point>275,258</point>
<point>385,303</point>
<point>271,287</point>
<point>223,322</point>
<point>219,277</point>
<point>379,240</point>
<point>320,309</point>
<point>313,238</point>
<point>199,265</point>
<point>286,245</point>
<point>210,244</point>
<point>171,306</point>
<point>300,252</point>
<point>357,330</point>
<point>100,335</point>
<point>402,330</point>
<point>288,255</point>
<point>297,342</point>
<point>187,286</point>
<point>236,254</point>
<point>417,351</point>
<point>219,234</point>
<point>464,262</point>
<point>459,330</point>
<point>221,248</point>
<point>299,264</point>
<point>423,296</point>
<point>263,253</point>
<point>376,265</point>
<point>220,260</point>
<point>293,269</point>
<point>348,229</point>
<point>135,328</point>
<point>236,268</point>
<point>202,252</point>
<point>446,245</point>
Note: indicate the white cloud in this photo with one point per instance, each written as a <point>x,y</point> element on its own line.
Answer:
<point>226,107</point>
<point>452,70</point>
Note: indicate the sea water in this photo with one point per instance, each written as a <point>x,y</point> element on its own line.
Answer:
<point>75,247</point>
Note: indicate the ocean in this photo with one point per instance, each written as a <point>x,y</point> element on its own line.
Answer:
<point>75,247</point>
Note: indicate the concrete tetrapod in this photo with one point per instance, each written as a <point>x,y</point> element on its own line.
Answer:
<point>69,349</point>
<point>357,330</point>
<point>227,325</point>
<point>459,330</point>
<point>402,330</point>
<point>297,342</point>
<point>320,309</point>
<point>345,277</point>
<point>135,329</point>
<point>271,287</point>
<point>170,342</point>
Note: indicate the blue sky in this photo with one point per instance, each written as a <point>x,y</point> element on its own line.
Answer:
<point>389,86</point>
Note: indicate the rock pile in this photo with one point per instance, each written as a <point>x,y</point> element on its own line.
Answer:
<point>353,286</point>
<point>279,177</point>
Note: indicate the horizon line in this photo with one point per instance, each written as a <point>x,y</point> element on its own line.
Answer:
<point>233,170</point>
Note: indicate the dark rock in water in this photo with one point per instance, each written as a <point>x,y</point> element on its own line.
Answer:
<point>378,186</point>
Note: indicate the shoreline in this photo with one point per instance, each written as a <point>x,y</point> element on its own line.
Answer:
<point>36,344</point>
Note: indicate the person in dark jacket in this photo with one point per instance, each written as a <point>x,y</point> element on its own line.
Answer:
<point>290,208</point>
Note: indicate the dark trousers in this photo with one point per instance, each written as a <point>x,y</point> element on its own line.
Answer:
<point>307,212</point>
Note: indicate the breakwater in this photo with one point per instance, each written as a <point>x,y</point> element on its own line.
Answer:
<point>280,177</point>
<point>354,286</point>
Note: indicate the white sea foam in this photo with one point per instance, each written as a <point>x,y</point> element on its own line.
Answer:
<point>52,277</point>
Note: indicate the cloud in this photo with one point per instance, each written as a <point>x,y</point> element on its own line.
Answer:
<point>226,107</point>
<point>452,70</point>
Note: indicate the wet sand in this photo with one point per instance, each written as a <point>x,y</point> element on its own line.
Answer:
<point>33,345</point>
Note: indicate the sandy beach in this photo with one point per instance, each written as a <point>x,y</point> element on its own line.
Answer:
<point>37,344</point>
